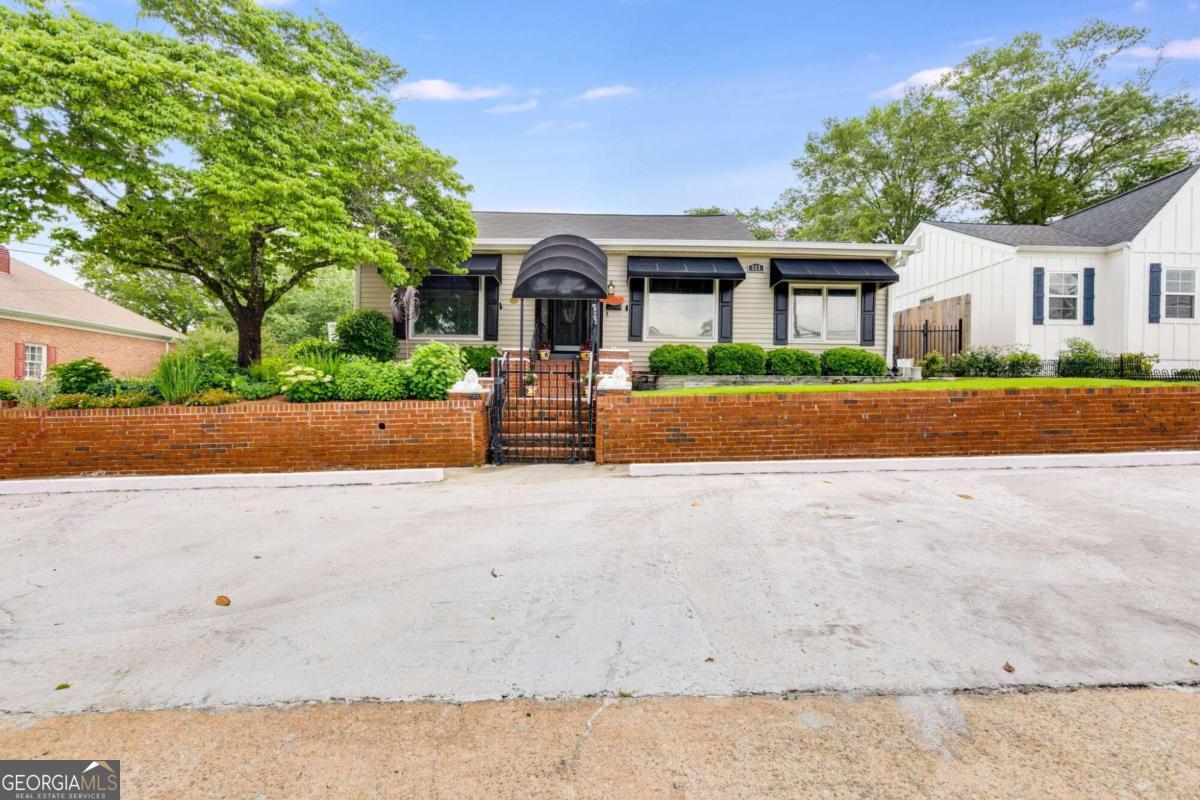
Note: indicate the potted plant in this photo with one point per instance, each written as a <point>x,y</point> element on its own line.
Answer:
<point>543,349</point>
<point>530,384</point>
<point>585,351</point>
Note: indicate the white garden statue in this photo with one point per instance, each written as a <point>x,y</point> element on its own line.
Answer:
<point>469,384</point>
<point>619,379</point>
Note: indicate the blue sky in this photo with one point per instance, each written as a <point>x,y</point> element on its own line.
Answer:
<point>660,105</point>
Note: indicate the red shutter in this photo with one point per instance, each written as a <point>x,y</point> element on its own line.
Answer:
<point>51,356</point>
<point>19,361</point>
<point>5,261</point>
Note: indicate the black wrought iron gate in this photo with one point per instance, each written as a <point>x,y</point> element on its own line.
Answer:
<point>542,411</point>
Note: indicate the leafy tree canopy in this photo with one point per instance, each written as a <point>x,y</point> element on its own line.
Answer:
<point>1022,133</point>
<point>244,148</point>
<point>758,220</point>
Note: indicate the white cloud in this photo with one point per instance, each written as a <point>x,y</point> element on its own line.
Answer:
<point>549,125</point>
<point>926,77</point>
<point>447,91</point>
<point>1140,6</point>
<point>1182,49</point>
<point>514,108</point>
<point>601,92</point>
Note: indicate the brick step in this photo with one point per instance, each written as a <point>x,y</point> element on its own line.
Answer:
<point>513,455</point>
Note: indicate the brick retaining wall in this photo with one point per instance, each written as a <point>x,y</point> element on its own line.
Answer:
<point>268,436</point>
<point>881,424</point>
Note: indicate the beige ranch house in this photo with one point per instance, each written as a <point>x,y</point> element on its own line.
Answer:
<point>625,284</point>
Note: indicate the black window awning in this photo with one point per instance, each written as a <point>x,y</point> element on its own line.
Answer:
<point>485,265</point>
<point>563,267</point>
<point>850,270</point>
<point>701,268</point>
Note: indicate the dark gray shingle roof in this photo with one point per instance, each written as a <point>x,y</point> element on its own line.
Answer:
<point>1109,222</point>
<point>1017,235</point>
<point>1123,217</point>
<point>538,225</point>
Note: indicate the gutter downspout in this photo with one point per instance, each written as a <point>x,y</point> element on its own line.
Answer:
<point>888,355</point>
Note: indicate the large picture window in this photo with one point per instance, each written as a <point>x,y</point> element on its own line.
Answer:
<point>824,314</point>
<point>1062,296</point>
<point>449,306</point>
<point>681,309</point>
<point>1180,299</point>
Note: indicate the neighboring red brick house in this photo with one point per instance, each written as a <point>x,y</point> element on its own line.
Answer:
<point>46,321</point>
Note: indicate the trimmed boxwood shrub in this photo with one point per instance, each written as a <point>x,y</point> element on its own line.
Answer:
<point>8,389</point>
<point>678,359</point>
<point>852,361</point>
<point>479,357</point>
<point>737,359</point>
<point>786,361</point>
<point>366,333</point>
<point>76,377</point>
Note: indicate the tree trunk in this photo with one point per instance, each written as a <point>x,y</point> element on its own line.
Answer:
<point>249,325</point>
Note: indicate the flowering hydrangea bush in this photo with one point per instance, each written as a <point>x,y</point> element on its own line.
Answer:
<point>302,384</point>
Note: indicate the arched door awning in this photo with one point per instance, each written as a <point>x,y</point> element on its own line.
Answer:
<point>563,267</point>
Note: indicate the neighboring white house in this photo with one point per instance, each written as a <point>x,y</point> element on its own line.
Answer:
<point>1121,274</point>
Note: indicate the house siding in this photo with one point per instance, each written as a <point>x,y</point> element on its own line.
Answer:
<point>126,356</point>
<point>1172,239</point>
<point>753,310</point>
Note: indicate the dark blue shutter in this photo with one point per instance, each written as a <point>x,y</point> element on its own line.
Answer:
<point>1039,295</point>
<point>781,313</point>
<point>491,309</point>
<point>637,297</point>
<point>867,327</point>
<point>1155,291</point>
<point>1089,296</point>
<point>725,312</point>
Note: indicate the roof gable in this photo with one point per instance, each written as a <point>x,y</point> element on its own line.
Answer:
<point>539,225</point>
<point>29,290</point>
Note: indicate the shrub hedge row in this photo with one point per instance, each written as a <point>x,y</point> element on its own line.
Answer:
<point>750,359</point>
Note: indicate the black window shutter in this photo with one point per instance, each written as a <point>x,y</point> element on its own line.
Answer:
<point>1089,296</point>
<point>491,309</point>
<point>1155,291</point>
<point>867,331</point>
<point>1039,295</point>
<point>725,312</point>
<point>637,298</point>
<point>781,313</point>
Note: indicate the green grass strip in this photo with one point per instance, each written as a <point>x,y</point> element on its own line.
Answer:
<point>956,385</point>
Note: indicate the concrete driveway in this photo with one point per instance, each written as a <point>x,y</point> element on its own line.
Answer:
<point>572,581</point>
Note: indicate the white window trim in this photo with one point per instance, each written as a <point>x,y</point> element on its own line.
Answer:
<point>647,315</point>
<point>1078,298</point>
<point>1193,294</point>
<point>825,287</point>
<point>479,319</point>
<point>44,366</point>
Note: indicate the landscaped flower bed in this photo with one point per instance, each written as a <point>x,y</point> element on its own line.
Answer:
<point>360,367</point>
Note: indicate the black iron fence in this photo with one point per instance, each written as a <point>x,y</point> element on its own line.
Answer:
<point>979,363</point>
<point>916,343</point>
<point>542,411</point>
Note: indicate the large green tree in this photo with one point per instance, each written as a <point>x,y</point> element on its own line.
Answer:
<point>760,221</point>
<point>177,301</point>
<point>242,147</point>
<point>1045,134</point>
<point>874,177</point>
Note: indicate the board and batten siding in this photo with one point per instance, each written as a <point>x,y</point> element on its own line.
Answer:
<point>753,311</point>
<point>1172,239</point>
<point>949,264</point>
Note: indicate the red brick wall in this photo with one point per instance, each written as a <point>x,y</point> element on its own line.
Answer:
<point>126,356</point>
<point>267,436</point>
<point>886,424</point>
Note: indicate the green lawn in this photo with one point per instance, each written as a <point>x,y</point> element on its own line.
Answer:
<point>957,384</point>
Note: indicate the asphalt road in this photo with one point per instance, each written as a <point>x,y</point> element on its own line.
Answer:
<point>559,582</point>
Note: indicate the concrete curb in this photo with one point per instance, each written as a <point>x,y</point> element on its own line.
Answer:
<point>237,480</point>
<point>816,466</point>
